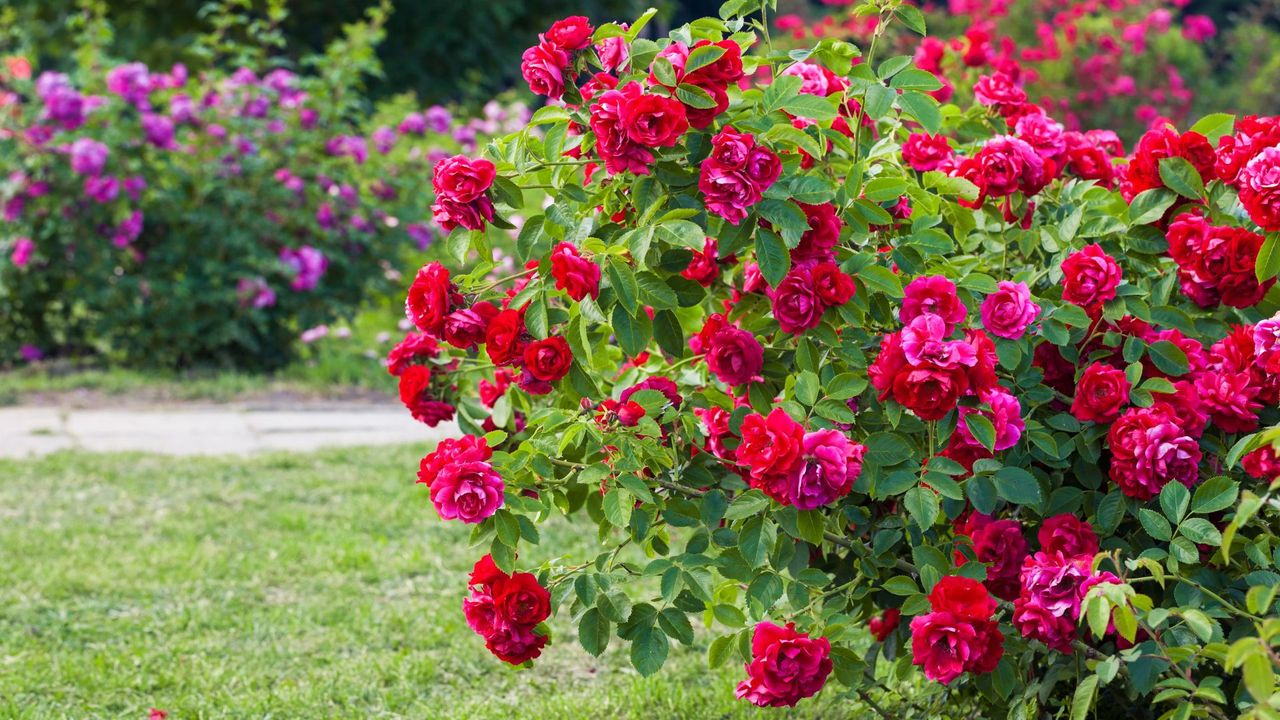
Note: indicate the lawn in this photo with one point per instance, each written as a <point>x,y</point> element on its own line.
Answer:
<point>283,586</point>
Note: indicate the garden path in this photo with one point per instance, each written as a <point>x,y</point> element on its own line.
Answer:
<point>185,430</point>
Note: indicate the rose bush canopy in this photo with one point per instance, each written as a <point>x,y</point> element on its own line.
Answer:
<point>863,386</point>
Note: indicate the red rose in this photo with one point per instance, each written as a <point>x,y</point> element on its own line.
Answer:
<point>928,391</point>
<point>431,298</point>
<point>734,356</point>
<point>654,120</point>
<point>574,274</point>
<point>415,348</point>
<point>730,148</point>
<point>702,118</point>
<point>1067,534</point>
<point>834,286</point>
<point>415,393</point>
<point>963,597</point>
<point>613,140</point>
<point>1090,277</point>
<point>704,266</point>
<point>571,33</point>
<point>888,364</point>
<point>521,600</point>
<point>770,446</point>
<point>1101,394</point>
<point>465,328</point>
<point>462,179</point>
<point>727,69</point>
<point>543,66</point>
<point>818,242</point>
<point>504,340</point>
<point>548,360</point>
<point>796,305</point>
<point>1002,547</point>
<point>786,666</point>
<point>883,625</point>
<point>924,152</point>
<point>947,645</point>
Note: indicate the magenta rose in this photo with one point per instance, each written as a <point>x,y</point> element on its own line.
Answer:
<point>543,67</point>
<point>829,465</point>
<point>1009,310</point>
<point>932,295</point>
<point>734,356</point>
<point>1090,277</point>
<point>796,305</point>
<point>947,645</point>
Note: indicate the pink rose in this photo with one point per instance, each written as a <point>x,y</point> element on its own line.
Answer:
<point>796,305</point>
<point>22,250</point>
<point>543,67</point>
<point>1090,277</point>
<point>924,343</point>
<point>1009,310</point>
<point>828,467</point>
<point>932,295</point>
<point>924,152</point>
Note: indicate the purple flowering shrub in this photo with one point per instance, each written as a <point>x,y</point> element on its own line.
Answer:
<point>179,218</point>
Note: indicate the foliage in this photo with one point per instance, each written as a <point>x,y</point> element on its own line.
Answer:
<point>832,354</point>
<point>176,220</point>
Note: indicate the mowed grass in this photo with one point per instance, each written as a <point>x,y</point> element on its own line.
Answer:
<point>285,586</point>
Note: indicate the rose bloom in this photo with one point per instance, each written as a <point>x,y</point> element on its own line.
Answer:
<point>1148,450</point>
<point>828,467</point>
<point>998,90</point>
<point>735,357</point>
<point>654,120</point>
<point>817,244</point>
<point>727,193</point>
<point>571,33</point>
<point>932,295</point>
<point>1090,277</point>
<point>461,185</point>
<point>924,343</point>
<point>1263,464</point>
<point>1036,622</point>
<point>833,285</point>
<point>796,305</point>
<point>1042,133</point>
<point>963,597</point>
<point>947,645</point>
<point>505,338</point>
<point>924,152</point>
<point>415,348</point>
<point>1009,310</point>
<point>431,298</point>
<point>930,392</point>
<point>704,266</point>
<point>415,393</point>
<point>22,251</point>
<point>1259,184</point>
<point>1006,165</point>
<point>786,666</point>
<point>1230,398</point>
<point>88,157</point>
<point>465,328</point>
<point>1069,535</point>
<point>613,142</point>
<point>543,67</point>
<point>763,167</point>
<point>883,625</point>
<point>505,610</point>
<point>1101,393</point>
<point>1005,415</point>
<point>548,360</point>
<point>467,491</point>
<point>771,446</point>
<point>1001,546</point>
<point>574,274</point>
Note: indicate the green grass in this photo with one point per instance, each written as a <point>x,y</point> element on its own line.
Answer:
<point>284,586</point>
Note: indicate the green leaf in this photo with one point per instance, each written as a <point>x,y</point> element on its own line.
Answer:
<point>1268,265</point>
<point>1150,205</point>
<point>633,332</point>
<point>923,506</point>
<point>923,108</point>
<point>702,57</point>
<point>915,79</point>
<point>1082,699</point>
<point>720,650</point>
<point>811,106</point>
<point>1214,126</point>
<point>901,585</point>
<point>1259,677</point>
<point>886,449</point>
<point>878,100</point>
<point>1180,176</point>
<point>668,333</point>
<point>885,189</point>
<point>1155,524</point>
<point>1201,532</point>
<point>1174,499</point>
<point>1018,486</point>
<point>1216,493</point>
<point>779,92</point>
<point>747,504</point>
<point>881,279</point>
<point>1199,623</point>
<point>983,430</point>
<point>649,650</point>
<point>911,17</point>
<point>1169,358</point>
<point>624,284</point>
<point>756,541</point>
<point>676,624</point>
<point>787,218</point>
<point>773,257</point>
<point>594,631</point>
<point>618,504</point>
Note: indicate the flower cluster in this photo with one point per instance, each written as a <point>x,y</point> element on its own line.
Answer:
<point>795,467</point>
<point>737,174</point>
<point>786,666</point>
<point>1054,583</point>
<point>464,486</point>
<point>505,610</point>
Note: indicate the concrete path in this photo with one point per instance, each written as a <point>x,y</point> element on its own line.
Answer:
<point>209,430</point>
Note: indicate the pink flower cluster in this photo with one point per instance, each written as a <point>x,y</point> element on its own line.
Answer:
<point>547,66</point>
<point>464,486</point>
<point>1055,580</point>
<point>461,187</point>
<point>736,174</point>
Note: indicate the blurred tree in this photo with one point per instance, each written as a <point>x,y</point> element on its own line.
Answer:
<point>443,49</point>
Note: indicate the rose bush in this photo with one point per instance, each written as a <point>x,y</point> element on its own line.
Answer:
<point>175,219</point>
<point>863,383</point>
